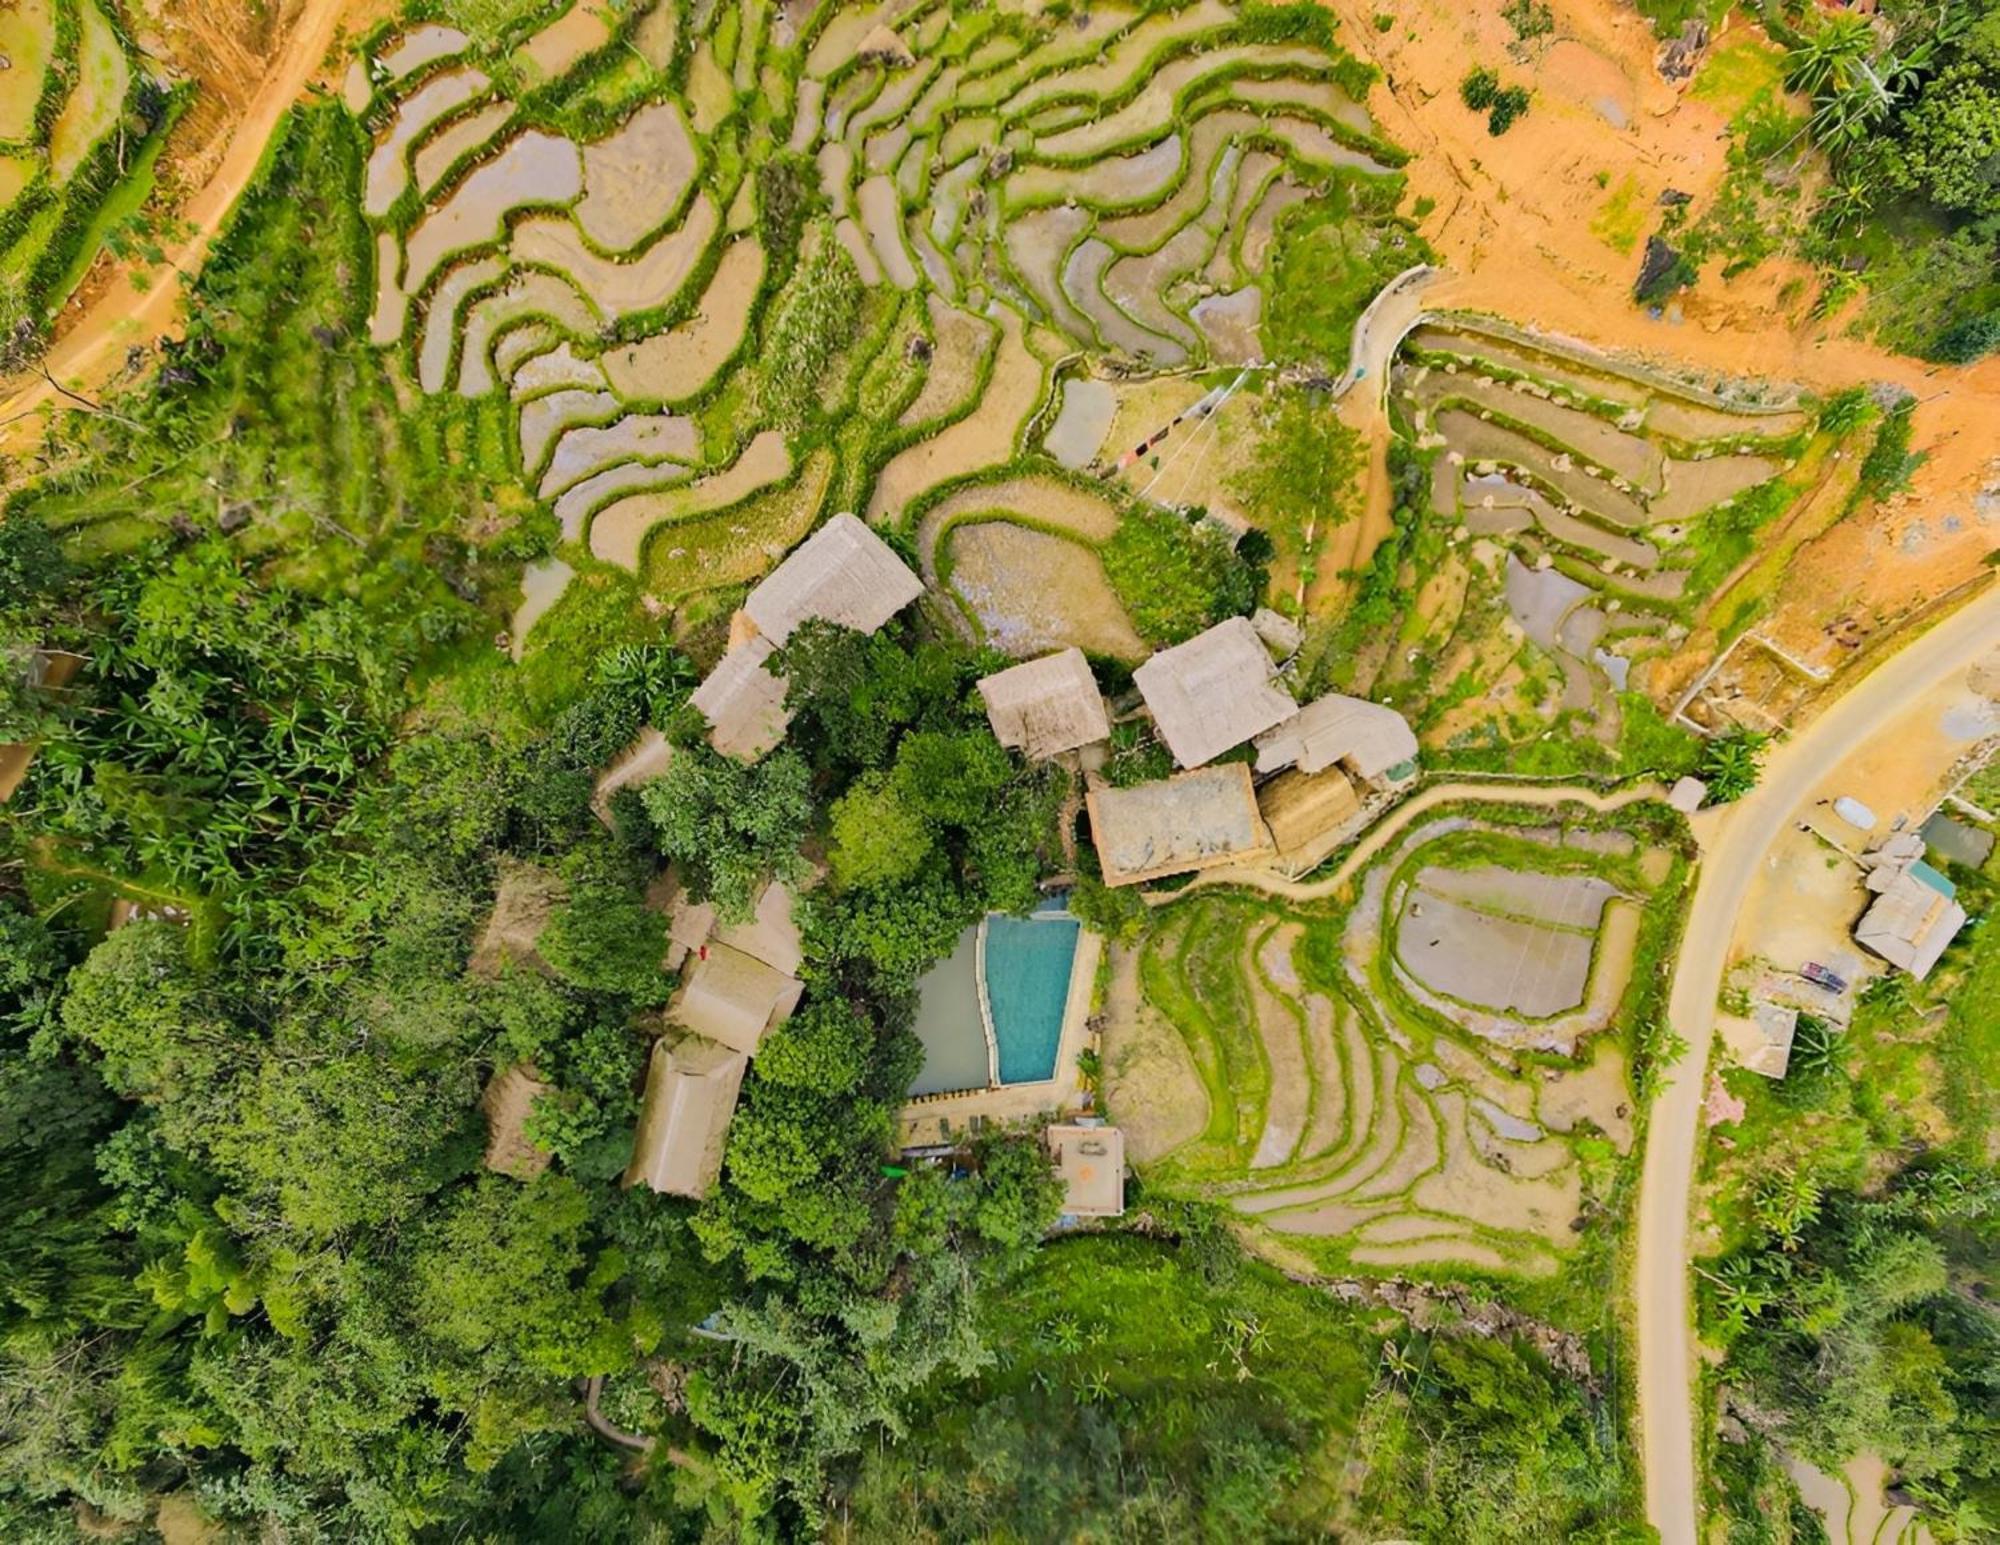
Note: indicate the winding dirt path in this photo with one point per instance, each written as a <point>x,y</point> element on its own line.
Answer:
<point>143,303</point>
<point>1392,825</point>
<point>1735,840</point>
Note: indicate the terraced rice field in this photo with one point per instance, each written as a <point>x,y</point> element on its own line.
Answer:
<point>1372,1098</point>
<point>69,101</point>
<point>795,261</point>
<point>1579,510</point>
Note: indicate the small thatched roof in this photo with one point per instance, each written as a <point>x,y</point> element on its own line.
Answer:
<point>771,934</point>
<point>1303,809</point>
<point>527,898</point>
<point>1193,820</point>
<point>1047,706</point>
<point>1913,919</point>
<point>509,1100</point>
<point>1090,1162</point>
<point>1368,739</point>
<point>744,703</point>
<point>1213,692</point>
<point>691,1090</point>
<point>733,998</point>
<point>842,573</point>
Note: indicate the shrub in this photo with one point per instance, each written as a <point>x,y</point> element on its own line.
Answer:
<point>1968,340</point>
<point>1479,88</point>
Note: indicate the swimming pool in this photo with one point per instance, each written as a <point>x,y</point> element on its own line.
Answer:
<point>1012,1032</point>
<point>1028,964</point>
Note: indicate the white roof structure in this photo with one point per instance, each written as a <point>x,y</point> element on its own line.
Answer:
<point>1213,692</point>
<point>1367,739</point>
<point>1045,707</point>
<point>1090,1162</point>
<point>1193,820</point>
<point>1913,918</point>
<point>842,573</point>
<point>1770,1052</point>
<point>691,1091</point>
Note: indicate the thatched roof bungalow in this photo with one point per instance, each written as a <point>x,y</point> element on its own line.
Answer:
<point>691,1091</point>
<point>1369,740</point>
<point>843,573</point>
<point>1213,692</point>
<point>507,1103</point>
<point>1045,707</point>
<point>1193,820</point>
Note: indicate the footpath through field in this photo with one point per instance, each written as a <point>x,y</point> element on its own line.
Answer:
<point>1735,840</point>
<point>143,303</point>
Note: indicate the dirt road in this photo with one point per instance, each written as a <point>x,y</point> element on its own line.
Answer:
<point>1735,840</point>
<point>143,303</point>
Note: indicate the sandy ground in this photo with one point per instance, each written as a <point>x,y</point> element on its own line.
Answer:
<point>1513,222</point>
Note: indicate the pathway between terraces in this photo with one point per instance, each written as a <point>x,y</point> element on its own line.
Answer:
<point>1391,825</point>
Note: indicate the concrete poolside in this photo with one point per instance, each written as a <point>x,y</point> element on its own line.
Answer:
<point>940,1119</point>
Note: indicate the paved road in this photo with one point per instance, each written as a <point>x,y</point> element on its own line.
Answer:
<point>1736,840</point>
<point>137,308</point>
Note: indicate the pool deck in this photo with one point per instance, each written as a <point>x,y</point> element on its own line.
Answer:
<point>944,1118</point>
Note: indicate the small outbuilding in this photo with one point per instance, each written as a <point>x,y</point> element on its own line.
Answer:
<point>507,1103</point>
<point>691,1091</point>
<point>1193,820</point>
<point>1045,707</point>
<point>1307,812</point>
<point>1914,917</point>
<point>1090,1161</point>
<point>1371,742</point>
<point>1214,692</point>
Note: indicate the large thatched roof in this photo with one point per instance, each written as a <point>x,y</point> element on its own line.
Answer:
<point>1213,692</point>
<point>691,1091</point>
<point>733,998</point>
<point>842,573</point>
<point>1193,820</point>
<point>1046,707</point>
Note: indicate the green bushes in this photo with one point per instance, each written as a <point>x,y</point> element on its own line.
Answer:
<point>1967,340</point>
<point>1177,576</point>
<point>1482,92</point>
<point>1889,462</point>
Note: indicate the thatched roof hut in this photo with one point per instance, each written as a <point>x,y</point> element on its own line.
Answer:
<point>1193,820</point>
<point>691,1090</point>
<point>1370,740</point>
<point>1045,707</point>
<point>1213,692</point>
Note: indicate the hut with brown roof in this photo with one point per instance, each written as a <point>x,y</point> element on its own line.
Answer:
<point>1306,813</point>
<point>734,998</point>
<point>1193,820</point>
<point>1371,741</point>
<point>1045,707</point>
<point>691,1090</point>
<point>507,1103</point>
<point>1213,692</point>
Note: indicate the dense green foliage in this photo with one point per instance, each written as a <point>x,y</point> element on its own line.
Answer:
<point>1176,577</point>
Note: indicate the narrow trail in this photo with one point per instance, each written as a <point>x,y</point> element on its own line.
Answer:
<point>1392,825</point>
<point>1735,841</point>
<point>143,303</point>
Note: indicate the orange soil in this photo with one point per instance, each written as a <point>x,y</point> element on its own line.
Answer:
<point>1512,223</point>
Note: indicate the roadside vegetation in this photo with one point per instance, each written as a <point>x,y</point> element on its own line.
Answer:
<point>1851,1252</point>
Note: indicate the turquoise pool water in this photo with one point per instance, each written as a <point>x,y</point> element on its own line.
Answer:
<point>1028,964</point>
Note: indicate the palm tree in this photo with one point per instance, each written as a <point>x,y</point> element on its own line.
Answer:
<point>1832,56</point>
